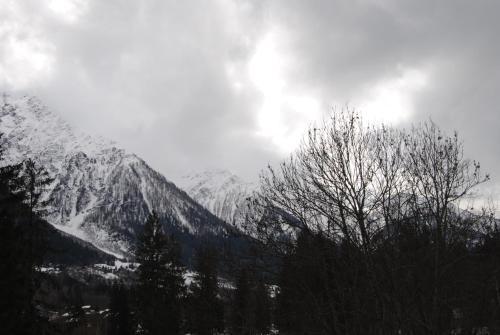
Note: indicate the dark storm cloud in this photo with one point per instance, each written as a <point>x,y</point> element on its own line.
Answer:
<point>156,75</point>
<point>344,45</point>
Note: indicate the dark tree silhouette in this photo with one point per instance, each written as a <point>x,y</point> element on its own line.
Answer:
<point>21,253</point>
<point>251,304</point>
<point>372,233</point>
<point>120,320</point>
<point>243,305</point>
<point>206,308</point>
<point>161,285</point>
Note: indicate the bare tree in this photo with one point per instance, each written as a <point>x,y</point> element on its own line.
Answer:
<point>344,180</point>
<point>438,175</point>
<point>362,186</point>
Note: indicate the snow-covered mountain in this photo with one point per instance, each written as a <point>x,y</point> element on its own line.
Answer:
<point>101,193</point>
<point>221,192</point>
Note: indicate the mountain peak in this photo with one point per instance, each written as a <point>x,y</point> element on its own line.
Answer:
<point>35,130</point>
<point>101,193</point>
<point>220,191</point>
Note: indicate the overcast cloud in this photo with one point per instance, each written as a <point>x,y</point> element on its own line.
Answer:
<point>190,85</point>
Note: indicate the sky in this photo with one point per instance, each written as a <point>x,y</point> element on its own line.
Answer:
<point>233,84</point>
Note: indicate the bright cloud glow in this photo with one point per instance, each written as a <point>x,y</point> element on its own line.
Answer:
<point>391,101</point>
<point>68,10</point>
<point>234,75</point>
<point>284,115</point>
<point>267,67</point>
<point>26,56</point>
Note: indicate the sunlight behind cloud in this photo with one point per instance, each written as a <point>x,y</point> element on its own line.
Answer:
<point>391,101</point>
<point>284,115</point>
<point>267,67</point>
<point>68,10</point>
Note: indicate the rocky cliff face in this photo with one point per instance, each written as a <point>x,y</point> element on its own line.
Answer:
<point>100,193</point>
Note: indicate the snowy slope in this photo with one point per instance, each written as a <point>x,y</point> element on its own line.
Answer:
<point>223,193</point>
<point>101,193</point>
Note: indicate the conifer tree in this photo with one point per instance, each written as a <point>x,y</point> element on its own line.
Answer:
<point>17,285</point>
<point>17,314</point>
<point>35,179</point>
<point>161,283</point>
<point>206,307</point>
<point>262,308</point>
<point>243,316</point>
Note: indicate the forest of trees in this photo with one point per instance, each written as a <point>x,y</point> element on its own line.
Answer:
<point>363,230</point>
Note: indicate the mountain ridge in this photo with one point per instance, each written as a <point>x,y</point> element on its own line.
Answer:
<point>220,191</point>
<point>101,193</point>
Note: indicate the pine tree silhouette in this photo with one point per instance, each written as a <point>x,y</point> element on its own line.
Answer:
<point>161,284</point>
